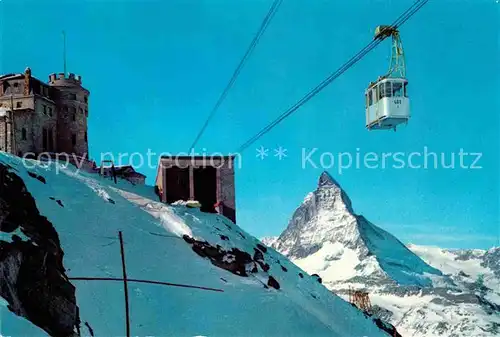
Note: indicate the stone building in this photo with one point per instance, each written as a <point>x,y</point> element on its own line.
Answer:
<point>37,117</point>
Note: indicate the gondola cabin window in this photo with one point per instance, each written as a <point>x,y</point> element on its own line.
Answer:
<point>397,89</point>
<point>385,89</point>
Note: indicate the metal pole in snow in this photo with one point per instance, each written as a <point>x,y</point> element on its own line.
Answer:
<point>125,286</point>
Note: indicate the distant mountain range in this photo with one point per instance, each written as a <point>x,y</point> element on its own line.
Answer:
<point>423,291</point>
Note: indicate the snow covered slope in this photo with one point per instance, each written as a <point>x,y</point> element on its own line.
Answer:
<point>61,274</point>
<point>420,298</point>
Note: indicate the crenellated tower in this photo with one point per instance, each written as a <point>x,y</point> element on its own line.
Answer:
<point>72,113</point>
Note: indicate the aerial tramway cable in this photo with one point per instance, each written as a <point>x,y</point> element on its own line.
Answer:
<point>415,7</point>
<point>267,19</point>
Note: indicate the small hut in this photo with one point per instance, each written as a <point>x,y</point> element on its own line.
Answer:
<point>206,179</point>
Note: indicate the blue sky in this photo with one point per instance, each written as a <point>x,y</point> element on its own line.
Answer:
<point>155,69</point>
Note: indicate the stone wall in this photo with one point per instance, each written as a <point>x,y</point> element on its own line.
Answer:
<point>227,185</point>
<point>3,135</point>
<point>43,119</point>
<point>227,189</point>
<point>22,107</point>
<point>72,119</point>
<point>20,102</point>
<point>29,124</point>
<point>23,120</point>
<point>159,183</point>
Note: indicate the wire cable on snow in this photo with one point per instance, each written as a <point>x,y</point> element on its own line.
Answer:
<point>144,281</point>
<point>165,235</point>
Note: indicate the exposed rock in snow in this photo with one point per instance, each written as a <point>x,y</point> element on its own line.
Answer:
<point>269,240</point>
<point>213,279</point>
<point>491,260</point>
<point>423,296</point>
<point>32,277</point>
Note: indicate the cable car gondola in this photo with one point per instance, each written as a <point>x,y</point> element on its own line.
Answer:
<point>387,102</point>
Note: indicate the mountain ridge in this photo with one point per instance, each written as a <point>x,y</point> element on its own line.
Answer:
<point>406,284</point>
<point>326,215</point>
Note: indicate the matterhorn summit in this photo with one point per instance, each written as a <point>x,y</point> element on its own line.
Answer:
<point>405,286</point>
<point>325,234</point>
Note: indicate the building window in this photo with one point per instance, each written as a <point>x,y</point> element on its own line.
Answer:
<point>50,111</point>
<point>74,117</point>
<point>80,110</point>
<point>86,99</point>
<point>73,139</point>
<point>16,84</point>
<point>19,154</point>
<point>72,96</point>
<point>72,109</point>
<point>19,105</point>
<point>5,87</point>
<point>65,108</point>
<point>44,109</point>
<point>23,133</point>
<point>86,137</point>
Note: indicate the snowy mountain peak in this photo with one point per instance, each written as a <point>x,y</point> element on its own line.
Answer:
<point>406,285</point>
<point>325,228</point>
<point>325,179</point>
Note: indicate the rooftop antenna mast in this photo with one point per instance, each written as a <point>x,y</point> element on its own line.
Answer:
<point>64,51</point>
